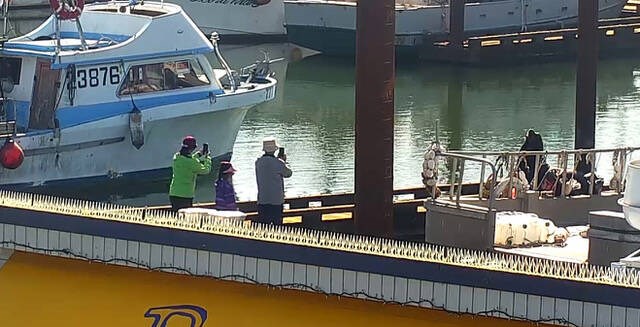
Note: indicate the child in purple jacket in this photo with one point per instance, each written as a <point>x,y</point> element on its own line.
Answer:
<point>225,195</point>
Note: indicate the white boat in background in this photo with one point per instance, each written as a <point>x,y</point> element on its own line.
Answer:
<point>238,20</point>
<point>104,95</point>
<point>329,26</point>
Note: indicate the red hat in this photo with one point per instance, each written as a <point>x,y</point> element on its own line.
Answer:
<point>227,168</point>
<point>189,141</point>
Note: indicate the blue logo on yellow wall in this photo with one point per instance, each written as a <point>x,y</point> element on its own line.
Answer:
<point>162,315</point>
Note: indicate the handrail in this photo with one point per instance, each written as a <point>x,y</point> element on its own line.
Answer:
<point>576,151</point>
<point>484,161</point>
<point>512,161</point>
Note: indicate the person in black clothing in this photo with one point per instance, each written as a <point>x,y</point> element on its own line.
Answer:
<point>533,142</point>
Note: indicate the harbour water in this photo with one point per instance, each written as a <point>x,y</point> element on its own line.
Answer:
<point>491,108</point>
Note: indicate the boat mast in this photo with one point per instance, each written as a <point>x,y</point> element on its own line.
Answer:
<point>4,7</point>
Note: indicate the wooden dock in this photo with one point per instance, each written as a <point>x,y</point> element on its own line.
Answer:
<point>618,37</point>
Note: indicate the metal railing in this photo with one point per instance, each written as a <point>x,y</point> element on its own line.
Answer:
<point>564,161</point>
<point>456,183</point>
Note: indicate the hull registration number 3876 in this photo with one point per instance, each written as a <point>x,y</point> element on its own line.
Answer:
<point>97,76</point>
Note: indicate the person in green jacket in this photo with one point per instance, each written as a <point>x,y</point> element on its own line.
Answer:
<point>187,165</point>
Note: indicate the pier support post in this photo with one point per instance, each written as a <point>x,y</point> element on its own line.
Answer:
<point>586,74</point>
<point>454,114</point>
<point>374,122</point>
<point>456,28</point>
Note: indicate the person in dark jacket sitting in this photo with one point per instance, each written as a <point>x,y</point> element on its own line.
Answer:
<point>533,142</point>
<point>225,194</point>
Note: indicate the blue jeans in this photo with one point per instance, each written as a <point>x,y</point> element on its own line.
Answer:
<point>270,214</point>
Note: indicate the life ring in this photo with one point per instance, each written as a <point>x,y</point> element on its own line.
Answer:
<point>67,9</point>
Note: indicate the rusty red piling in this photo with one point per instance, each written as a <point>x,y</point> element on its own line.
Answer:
<point>586,74</point>
<point>375,83</point>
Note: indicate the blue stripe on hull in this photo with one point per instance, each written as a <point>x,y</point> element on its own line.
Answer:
<point>335,41</point>
<point>72,116</point>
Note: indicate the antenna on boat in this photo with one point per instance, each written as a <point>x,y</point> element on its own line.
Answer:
<point>4,8</point>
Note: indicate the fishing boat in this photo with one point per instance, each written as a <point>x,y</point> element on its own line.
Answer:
<point>97,93</point>
<point>330,26</point>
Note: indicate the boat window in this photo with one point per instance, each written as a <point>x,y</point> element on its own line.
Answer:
<point>10,69</point>
<point>170,75</point>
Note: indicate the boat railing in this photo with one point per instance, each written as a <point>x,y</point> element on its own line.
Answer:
<point>455,186</point>
<point>507,166</point>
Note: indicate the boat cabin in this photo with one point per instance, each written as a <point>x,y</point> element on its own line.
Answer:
<point>113,54</point>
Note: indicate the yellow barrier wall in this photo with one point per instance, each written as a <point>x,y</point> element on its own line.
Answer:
<point>39,290</point>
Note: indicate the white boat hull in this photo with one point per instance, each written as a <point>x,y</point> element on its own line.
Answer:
<point>237,19</point>
<point>329,26</point>
<point>232,19</point>
<point>105,151</point>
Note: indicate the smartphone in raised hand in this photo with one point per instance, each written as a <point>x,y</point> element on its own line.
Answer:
<point>205,149</point>
<point>281,153</point>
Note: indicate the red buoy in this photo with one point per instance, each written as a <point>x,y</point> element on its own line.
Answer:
<point>11,154</point>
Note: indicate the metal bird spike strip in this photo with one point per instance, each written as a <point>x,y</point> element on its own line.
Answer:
<point>323,239</point>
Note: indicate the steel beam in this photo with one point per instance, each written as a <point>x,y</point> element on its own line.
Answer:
<point>456,26</point>
<point>586,75</point>
<point>375,83</point>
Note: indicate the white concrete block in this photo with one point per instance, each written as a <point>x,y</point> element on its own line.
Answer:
<point>324,279</point>
<point>287,273</point>
<point>191,261</point>
<point>109,247</point>
<point>155,259</point>
<point>349,281</point>
<point>263,271</point>
<point>226,265</point>
<point>337,281</point>
<point>275,272</point>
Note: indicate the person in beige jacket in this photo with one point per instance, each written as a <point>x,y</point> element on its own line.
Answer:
<point>270,174</point>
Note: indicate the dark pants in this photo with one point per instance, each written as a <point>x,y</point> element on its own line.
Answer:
<point>178,203</point>
<point>270,214</point>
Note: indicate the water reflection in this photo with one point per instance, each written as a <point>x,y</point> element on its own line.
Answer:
<point>478,109</point>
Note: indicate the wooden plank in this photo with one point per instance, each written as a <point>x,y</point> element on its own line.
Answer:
<point>292,220</point>
<point>337,216</point>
